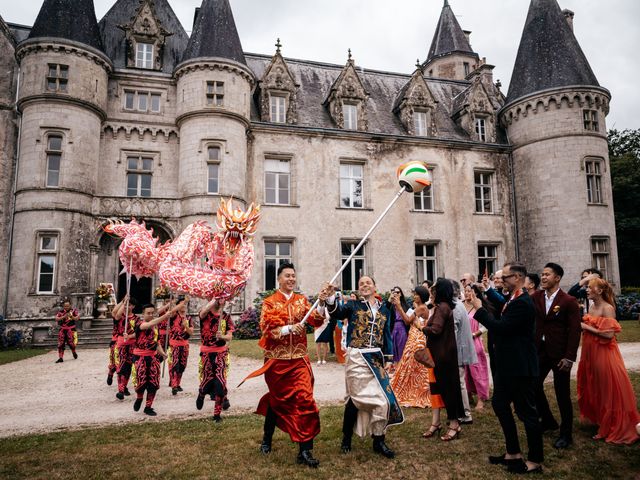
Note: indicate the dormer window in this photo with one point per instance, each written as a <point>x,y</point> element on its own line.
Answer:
<point>350,114</point>
<point>278,108</point>
<point>144,55</point>
<point>420,123</point>
<point>481,129</point>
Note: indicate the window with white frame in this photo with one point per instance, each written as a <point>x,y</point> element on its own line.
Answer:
<point>278,108</point>
<point>144,55</point>
<point>350,116</point>
<point>593,169</point>
<point>57,77</point>
<point>215,94</point>
<point>214,156</point>
<point>356,268</point>
<point>600,255</point>
<point>54,157</point>
<point>481,130</point>
<point>142,101</point>
<point>590,118</point>
<point>351,185</point>
<point>420,123</point>
<point>277,181</point>
<point>465,65</point>
<point>483,191</point>
<point>47,256</point>
<point>487,259</point>
<point>423,200</point>
<point>426,262</point>
<point>139,171</point>
<point>275,254</point>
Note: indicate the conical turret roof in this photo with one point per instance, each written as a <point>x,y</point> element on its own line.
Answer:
<point>449,36</point>
<point>69,19</point>
<point>214,33</point>
<point>549,55</point>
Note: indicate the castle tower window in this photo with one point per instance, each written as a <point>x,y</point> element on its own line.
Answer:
<point>466,68</point>
<point>275,254</point>
<point>213,169</point>
<point>215,94</point>
<point>423,201</point>
<point>487,259</point>
<point>420,123</point>
<point>593,169</point>
<point>590,118</point>
<point>57,77</point>
<point>139,171</point>
<point>144,55</point>
<point>350,114</point>
<point>600,255</point>
<point>142,101</point>
<point>278,108</point>
<point>351,185</point>
<point>54,156</point>
<point>481,129</point>
<point>426,262</point>
<point>356,268</point>
<point>47,255</point>
<point>277,182</point>
<point>483,191</point>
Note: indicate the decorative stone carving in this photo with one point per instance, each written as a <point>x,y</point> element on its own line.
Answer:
<point>278,80</point>
<point>475,103</point>
<point>416,96</point>
<point>348,89</point>
<point>137,207</point>
<point>145,27</point>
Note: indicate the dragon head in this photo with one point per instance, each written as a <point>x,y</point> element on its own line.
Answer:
<point>236,224</point>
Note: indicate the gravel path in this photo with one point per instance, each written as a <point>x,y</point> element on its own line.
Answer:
<point>40,396</point>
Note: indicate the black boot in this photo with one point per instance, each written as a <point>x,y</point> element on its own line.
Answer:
<point>269,428</point>
<point>380,447</point>
<point>345,447</point>
<point>200,402</point>
<point>265,446</point>
<point>305,457</point>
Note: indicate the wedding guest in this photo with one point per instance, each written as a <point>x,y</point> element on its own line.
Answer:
<point>466,348</point>
<point>532,283</point>
<point>579,290</point>
<point>477,375</point>
<point>399,329</point>
<point>605,394</point>
<point>321,335</point>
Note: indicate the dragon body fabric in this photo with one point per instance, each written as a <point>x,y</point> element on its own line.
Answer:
<point>198,262</point>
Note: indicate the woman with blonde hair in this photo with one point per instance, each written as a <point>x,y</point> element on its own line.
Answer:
<point>605,394</point>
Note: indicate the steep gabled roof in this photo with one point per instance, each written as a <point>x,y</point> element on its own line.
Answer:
<point>214,33</point>
<point>122,13</point>
<point>549,55</point>
<point>449,36</point>
<point>69,19</point>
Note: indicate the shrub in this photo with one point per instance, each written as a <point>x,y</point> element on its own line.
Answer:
<point>248,326</point>
<point>628,306</point>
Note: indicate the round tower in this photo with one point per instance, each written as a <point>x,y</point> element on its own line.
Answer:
<point>555,119</point>
<point>214,88</point>
<point>62,99</point>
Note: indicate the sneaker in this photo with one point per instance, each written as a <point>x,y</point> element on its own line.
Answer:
<point>126,391</point>
<point>217,418</point>
<point>109,379</point>
<point>59,360</point>
<point>150,411</point>
<point>319,362</point>
<point>75,355</point>
<point>226,404</point>
<point>324,361</point>
<point>120,396</point>
<point>137,404</point>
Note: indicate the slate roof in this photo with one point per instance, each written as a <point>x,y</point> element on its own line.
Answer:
<point>549,55</point>
<point>214,33</point>
<point>316,79</point>
<point>122,13</point>
<point>69,19</point>
<point>449,36</point>
<point>19,32</point>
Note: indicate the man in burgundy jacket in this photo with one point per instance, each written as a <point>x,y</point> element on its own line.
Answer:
<point>557,338</point>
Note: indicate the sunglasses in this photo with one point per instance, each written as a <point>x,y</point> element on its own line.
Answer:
<point>504,277</point>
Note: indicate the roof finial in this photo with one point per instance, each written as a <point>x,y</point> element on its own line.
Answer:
<point>446,3</point>
<point>349,54</point>
<point>278,45</point>
<point>418,64</point>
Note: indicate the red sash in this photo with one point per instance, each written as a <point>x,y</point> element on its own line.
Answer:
<point>179,343</point>
<point>144,353</point>
<point>206,349</point>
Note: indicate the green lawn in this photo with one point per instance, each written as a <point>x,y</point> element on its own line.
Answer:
<point>250,349</point>
<point>201,449</point>
<point>14,355</point>
<point>630,331</point>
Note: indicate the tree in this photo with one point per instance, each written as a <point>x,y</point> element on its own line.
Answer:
<point>624,154</point>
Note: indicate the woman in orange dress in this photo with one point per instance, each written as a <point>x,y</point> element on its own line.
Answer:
<point>411,382</point>
<point>605,394</point>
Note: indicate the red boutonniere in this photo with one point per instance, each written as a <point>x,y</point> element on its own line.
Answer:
<point>556,309</point>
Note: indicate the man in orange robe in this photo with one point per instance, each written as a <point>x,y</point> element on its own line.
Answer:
<point>289,404</point>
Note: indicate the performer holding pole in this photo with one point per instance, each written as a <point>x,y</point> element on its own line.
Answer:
<point>68,335</point>
<point>180,329</point>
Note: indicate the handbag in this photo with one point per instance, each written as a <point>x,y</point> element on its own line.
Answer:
<point>423,356</point>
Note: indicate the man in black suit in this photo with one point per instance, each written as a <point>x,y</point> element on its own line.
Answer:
<point>558,333</point>
<point>516,370</point>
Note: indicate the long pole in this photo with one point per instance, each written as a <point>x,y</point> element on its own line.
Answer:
<point>166,339</point>
<point>355,250</point>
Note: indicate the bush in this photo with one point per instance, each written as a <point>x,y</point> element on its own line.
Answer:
<point>628,306</point>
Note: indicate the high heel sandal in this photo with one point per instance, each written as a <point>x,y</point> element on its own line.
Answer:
<point>448,437</point>
<point>433,431</point>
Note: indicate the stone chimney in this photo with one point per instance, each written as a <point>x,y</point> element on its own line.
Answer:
<point>568,16</point>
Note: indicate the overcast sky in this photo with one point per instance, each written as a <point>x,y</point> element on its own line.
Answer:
<point>385,35</point>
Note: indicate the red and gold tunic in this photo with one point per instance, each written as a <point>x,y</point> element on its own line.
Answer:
<point>209,326</point>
